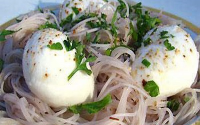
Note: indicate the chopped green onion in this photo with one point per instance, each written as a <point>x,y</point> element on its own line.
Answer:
<point>146,63</point>
<point>152,88</point>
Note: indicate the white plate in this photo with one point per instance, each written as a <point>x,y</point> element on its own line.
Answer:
<point>187,9</point>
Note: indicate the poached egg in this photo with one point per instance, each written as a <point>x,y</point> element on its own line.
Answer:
<point>172,70</point>
<point>46,71</point>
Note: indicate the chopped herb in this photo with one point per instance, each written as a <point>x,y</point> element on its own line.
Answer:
<point>76,11</point>
<point>72,23</point>
<point>79,56</point>
<point>48,25</point>
<point>70,45</point>
<point>97,38</point>
<point>163,35</point>
<point>132,32</point>
<point>105,0</point>
<point>67,4</point>
<point>186,99</point>
<point>4,33</point>
<point>83,17</point>
<point>113,27</point>
<point>122,9</point>
<point>168,45</point>
<point>82,66</point>
<point>92,107</point>
<point>88,36</point>
<point>137,8</point>
<point>173,105</point>
<point>67,20</point>
<point>55,46</point>
<point>147,41</point>
<point>146,63</point>
<point>100,23</point>
<point>1,64</point>
<point>154,31</point>
<point>144,23</point>
<point>152,88</point>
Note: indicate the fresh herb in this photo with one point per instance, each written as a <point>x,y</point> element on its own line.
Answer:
<point>168,45</point>
<point>113,27</point>
<point>146,63</point>
<point>100,23</point>
<point>144,23</point>
<point>76,11</point>
<point>173,105</point>
<point>163,35</point>
<point>1,64</point>
<point>122,9</point>
<point>137,8</point>
<point>154,31</point>
<point>82,66</point>
<point>147,41</point>
<point>186,99</point>
<point>48,25</point>
<point>97,38</point>
<point>132,32</point>
<point>67,20</point>
<point>152,88</point>
<point>88,36</point>
<point>55,46</point>
<point>105,0</point>
<point>70,45</point>
<point>92,107</point>
<point>79,56</point>
<point>4,33</point>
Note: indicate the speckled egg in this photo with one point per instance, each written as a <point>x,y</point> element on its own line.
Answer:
<point>46,71</point>
<point>172,60</point>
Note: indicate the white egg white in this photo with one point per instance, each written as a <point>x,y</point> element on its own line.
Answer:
<point>81,5</point>
<point>46,71</point>
<point>174,70</point>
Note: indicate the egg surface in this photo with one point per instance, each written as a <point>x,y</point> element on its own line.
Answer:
<point>46,71</point>
<point>171,60</point>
